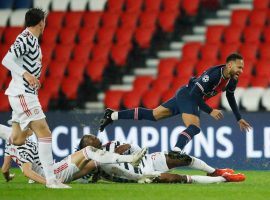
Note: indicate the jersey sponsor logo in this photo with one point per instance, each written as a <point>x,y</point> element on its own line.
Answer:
<point>205,78</point>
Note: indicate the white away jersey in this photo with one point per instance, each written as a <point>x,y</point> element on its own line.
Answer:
<point>26,54</point>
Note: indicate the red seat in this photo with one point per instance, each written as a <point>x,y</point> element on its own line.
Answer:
<point>119,54</point>
<point>131,99</point>
<point>55,19</point>
<point>52,86</point>
<point>179,82</point>
<point>171,5</point>
<point>73,19</point>
<point>3,75</point>
<point>239,18</point>
<point>110,20</point>
<point>152,5</point>
<point>162,84</point>
<point>67,36</point>
<point>57,69</point>
<point>10,34</point>
<point>185,67</point>
<point>266,35</point>
<point>259,81</point>
<point>123,36</point>
<point>168,94</point>
<point>191,7</point>
<point>3,50</point>
<point>191,50</point>
<point>227,49</point>
<point>243,81</point>
<point>248,51</point>
<point>167,66</point>
<point>113,99</point>
<point>134,6</point>
<point>260,4</point>
<point>142,84</point>
<point>44,99</point>
<point>167,20</point>
<point>82,53</point>
<point>258,18</point>
<point>248,67</point>
<point>143,37</point>
<point>148,19</point>
<point>50,36</point>
<point>151,99</point>
<point>69,87</point>
<point>47,52</point>
<point>214,102</point>
<point>95,69</point>
<point>129,20</point>
<point>232,34</point>
<point>4,105</point>
<point>86,36</point>
<point>209,51</point>
<point>2,29</point>
<point>264,51</point>
<point>203,65</point>
<point>262,68</point>
<point>115,6</point>
<point>101,53</point>
<point>214,34</point>
<point>105,35</point>
<point>252,34</point>
<point>75,69</point>
<point>63,52</point>
<point>92,19</point>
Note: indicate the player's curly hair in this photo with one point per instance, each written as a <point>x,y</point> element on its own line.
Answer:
<point>233,57</point>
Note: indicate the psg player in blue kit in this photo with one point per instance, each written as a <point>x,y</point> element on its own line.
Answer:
<point>190,99</point>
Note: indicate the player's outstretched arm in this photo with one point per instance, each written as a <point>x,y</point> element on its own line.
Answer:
<point>29,173</point>
<point>5,169</point>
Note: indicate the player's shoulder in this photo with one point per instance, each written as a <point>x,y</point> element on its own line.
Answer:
<point>26,37</point>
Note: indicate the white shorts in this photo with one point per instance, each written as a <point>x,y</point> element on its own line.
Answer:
<point>25,109</point>
<point>154,162</point>
<point>65,170</point>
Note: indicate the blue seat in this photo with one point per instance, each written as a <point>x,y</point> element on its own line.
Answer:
<point>18,4</point>
<point>6,4</point>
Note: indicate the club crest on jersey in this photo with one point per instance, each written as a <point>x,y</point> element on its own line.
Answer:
<point>205,78</point>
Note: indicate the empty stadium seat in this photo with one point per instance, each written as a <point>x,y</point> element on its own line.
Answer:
<point>105,36</point>
<point>232,34</point>
<point>62,53</point>
<point>166,67</point>
<point>262,68</point>
<point>129,20</point>
<point>186,67</point>
<point>69,87</point>
<point>191,50</point>
<point>264,51</point>
<point>167,19</point>
<point>110,20</point>
<point>95,69</point>
<point>101,52</point>
<point>113,99</point>
<point>209,52</point>
<point>134,6</point>
<point>179,81</point>
<point>203,65</point>
<point>131,99</point>
<point>171,5</point>
<point>260,4</point>
<point>115,6</point>
<point>55,19</point>
<point>4,106</point>
<point>251,98</point>
<point>142,83</point>
<point>86,36</point>
<point>67,36</point>
<point>123,36</point>
<point>248,51</point>
<point>162,84</point>
<point>167,95</point>
<point>252,34</point>
<point>191,7</point>
<point>214,101</point>
<point>50,36</point>
<point>258,18</point>
<point>144,36</point>
<point>44,99</point>
<point>91,20</point>
<point>119,54</point>
<point>239,18</point>
<point>152,5</point>
<point>10,34</point>
<point>227,49</point>
<point>151,99</point>
<point>73,19</point>
<point>81,53</point>
<point>75,69</point>
<point>214,34</point>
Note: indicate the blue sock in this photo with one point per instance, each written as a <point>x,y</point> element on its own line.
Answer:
<point>186,136</point>
<point>137,114</point>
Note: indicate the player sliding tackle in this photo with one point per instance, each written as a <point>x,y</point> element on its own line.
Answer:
<point>70,168</point>
<point>154,167</point>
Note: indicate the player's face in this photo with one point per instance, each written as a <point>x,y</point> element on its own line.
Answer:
<point>94,142</point>
<point>236,68</point>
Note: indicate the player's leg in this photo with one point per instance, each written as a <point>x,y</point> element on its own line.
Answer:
<point>165,110</point>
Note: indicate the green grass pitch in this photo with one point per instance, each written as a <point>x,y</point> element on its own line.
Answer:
<point>256,187</point>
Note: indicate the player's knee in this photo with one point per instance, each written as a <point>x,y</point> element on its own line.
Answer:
<point>17,141</point>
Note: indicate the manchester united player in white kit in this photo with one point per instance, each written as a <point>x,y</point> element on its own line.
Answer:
<point>24,62</point>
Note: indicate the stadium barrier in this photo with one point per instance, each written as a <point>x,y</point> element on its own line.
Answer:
<point>220,143</point>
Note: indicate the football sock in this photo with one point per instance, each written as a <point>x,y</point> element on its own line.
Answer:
<point>46,157</point>
<point>105,157</point>
<point>5,132</point>
<point>137,114</point>
<point>200,165</point>
<point>187,135</point>
<point>206,179</point>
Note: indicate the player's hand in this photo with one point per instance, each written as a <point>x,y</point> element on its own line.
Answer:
<point>32,80</point>
<point>10,177</point>
<point>217,114</point>
<point>244,125</point>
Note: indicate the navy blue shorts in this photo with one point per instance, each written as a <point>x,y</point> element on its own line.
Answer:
<point>182,103</point>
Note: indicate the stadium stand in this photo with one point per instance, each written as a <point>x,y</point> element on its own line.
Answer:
<point>88,45</point>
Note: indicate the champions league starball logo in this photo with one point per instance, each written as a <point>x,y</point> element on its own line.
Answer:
<point>205,78</point>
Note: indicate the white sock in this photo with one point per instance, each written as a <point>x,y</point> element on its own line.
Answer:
<point>5,132</point>
<point>200,165</point>
<point>207,179</point>
<point>105,157</point>
<point>114,116</point>
<point>46,157</point>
